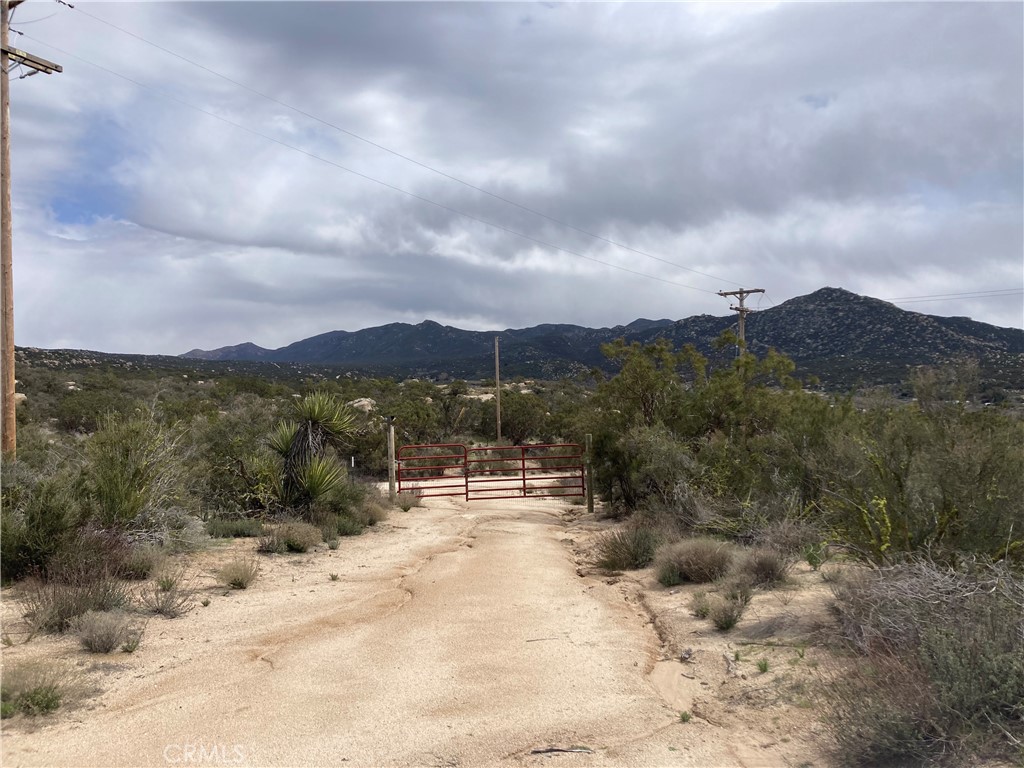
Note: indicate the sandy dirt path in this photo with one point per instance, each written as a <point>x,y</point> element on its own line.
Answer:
<point>454,635</point>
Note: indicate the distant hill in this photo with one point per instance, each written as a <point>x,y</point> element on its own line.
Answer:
<point>837,335</point>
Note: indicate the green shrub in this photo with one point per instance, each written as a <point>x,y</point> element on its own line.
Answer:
<point>38,519</point>
<point>697,560</point>
<point>132,464</point>
<point>766,567</point>
<point>626,549</point>
<point>737,589</point>
<point>104,632</point>
<point>239,573</point>
<point>234,528</point>
<point>347,526</point>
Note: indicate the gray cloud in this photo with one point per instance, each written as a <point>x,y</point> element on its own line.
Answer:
<point>873,146</point>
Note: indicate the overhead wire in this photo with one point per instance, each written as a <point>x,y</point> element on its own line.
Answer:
<point>398,154</point>
<point>367,177</point>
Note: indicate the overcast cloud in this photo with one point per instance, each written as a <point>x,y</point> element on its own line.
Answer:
<point>876,147</point>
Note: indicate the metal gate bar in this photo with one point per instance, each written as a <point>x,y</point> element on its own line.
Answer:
<point>432,470</point>
<point>537,471</point>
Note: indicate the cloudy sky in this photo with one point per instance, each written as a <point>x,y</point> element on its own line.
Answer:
<point>581,163</point>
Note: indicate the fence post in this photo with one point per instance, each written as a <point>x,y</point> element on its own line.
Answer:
<point>588,465</point>
<point>391,459</point>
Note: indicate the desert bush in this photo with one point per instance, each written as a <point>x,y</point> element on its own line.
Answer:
<point>346,526</point>
<point>132,464</point>
<point>766,567</point>
<point>406,501</point>
<point>700,604</point>
<point>171,594</point>
<point>725,613</point>
<point>737,588</point>
<point>697,560</point>
<point>943,655</point>
<point>39,517</point>
<point>270,544</point>
<point>791,536</point>
<point>290,536</point>
<point>33,688</point>
<point>626,549</point>
<point>234,527</point>
<point>142,561</point>
<point>84,576</point>
<point>239,573</point>
<point>106,631</point>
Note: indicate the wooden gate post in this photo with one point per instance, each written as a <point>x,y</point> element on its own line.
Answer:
<point>588,467</point>
<point>391,459</point>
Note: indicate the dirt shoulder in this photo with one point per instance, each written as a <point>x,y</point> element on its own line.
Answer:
<point>454,634</point>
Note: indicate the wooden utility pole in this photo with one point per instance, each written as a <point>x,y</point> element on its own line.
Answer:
<point>8,419</point>
<point>743,311</point>
<point>497,390</point>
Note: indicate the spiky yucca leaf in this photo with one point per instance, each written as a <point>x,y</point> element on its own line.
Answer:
<point>323,411</point>
<point>320,476</point>
<point>282,437</point>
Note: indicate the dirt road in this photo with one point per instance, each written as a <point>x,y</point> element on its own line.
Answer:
<point>454,635</point>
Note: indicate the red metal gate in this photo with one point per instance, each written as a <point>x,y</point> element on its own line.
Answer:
<point>496,472</point>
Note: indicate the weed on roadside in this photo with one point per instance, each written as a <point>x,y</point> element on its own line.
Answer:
<point>239,573</point>
<point>171,595</point>
<point>33,688</point>
<point>105,631</point>
<point>627,549</point>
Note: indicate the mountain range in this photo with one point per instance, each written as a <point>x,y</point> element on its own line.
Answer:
<point>839,336</point>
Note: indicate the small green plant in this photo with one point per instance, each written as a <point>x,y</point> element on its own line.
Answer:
<point>332,543</point>
<point>762,665</point>
<point>698,560</point>
<point>334,577</point>
<point>166,582</point>
<point>816,554</point>
<point>105,631</point>
<point>204,602</point>
<point>239,573</point>
<point>738,589</point>
<point>725,614</point>
<point>736,656</point>
<point>627,549</point>
<point>685,716</point>
<point>700,605</point>
<point>406,501</point>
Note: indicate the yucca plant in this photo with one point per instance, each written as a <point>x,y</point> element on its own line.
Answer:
<point>319,476</point>
<point>320,423</point>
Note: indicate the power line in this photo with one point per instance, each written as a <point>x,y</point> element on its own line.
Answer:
<point>322,159</point>
<point>969,294</point>
<point>398,154</point>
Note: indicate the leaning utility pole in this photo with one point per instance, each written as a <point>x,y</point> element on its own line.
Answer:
<point>8,422</point>
<point>497,391</point>
<point>744,311</point>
